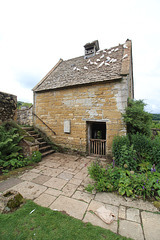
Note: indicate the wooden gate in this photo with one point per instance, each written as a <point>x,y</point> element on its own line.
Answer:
<point>97,147</point>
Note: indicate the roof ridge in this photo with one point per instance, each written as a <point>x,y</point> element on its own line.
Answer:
<point>43,79</point>
<point>100,50</point>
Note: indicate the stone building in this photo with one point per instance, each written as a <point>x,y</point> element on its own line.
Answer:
<point>80,101</point>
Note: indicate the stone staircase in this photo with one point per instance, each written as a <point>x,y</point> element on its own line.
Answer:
<point>44,147</point>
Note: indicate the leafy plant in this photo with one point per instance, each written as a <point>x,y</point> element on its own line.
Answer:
<point>143,184</point>
<point>10,156</point>
<point>136,118</point>
<point>89,188</point>
<point>118,142</point>
<point>36,156</point>
<point>127,158</point>
<point>9,149</point>
<point>135,149</point>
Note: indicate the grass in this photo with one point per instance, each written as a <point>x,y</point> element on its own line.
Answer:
<point>46,224</point>
<point>16,172</point>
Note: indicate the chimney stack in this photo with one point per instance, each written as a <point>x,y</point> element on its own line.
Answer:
<point>91,49</point>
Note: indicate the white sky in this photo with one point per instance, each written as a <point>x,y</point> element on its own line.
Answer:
<point>35,34</point>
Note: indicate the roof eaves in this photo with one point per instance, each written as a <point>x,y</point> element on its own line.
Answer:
<point>118,78</point>
<point>43,79</point>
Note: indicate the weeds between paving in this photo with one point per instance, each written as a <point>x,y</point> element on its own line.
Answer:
<point>34,222</point>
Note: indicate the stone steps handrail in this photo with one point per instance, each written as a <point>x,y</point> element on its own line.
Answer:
<point>44,123</point>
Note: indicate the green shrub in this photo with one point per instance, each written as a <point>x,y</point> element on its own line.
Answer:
<point>155,158</point>
<point>9,149</point>
<point>124,153</point>
<point>89,188</point>
<point>134,149</point>
<point>143,146</point>
<point>36,156</point>
<point>127,158</point>
<point>144,184</point>
<point>156,124</point>
<point>10,156</point>
<point>136,118</point>
<point>96,171</point>
<point>118,142</point>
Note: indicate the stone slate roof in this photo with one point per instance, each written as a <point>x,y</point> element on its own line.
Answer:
<point>106,65</point>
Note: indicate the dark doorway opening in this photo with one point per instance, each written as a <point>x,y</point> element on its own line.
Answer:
<point>98,130</point>
<point>97,138</point>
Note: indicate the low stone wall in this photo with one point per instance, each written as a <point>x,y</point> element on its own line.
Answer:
<point>28,147</point>
<point>25,116</point>
<point>8,107</point>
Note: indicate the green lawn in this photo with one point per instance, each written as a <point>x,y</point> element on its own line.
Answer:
<point>44,223</point>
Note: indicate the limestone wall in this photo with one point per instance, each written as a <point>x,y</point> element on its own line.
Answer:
<point>79,105</point>
<point>8,107</point>
<point>25,117</point>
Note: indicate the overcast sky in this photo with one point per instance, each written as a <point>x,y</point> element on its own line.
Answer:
<point>35,34</point>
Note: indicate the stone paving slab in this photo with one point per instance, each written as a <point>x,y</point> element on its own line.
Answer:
<point>133,215</point>
<point>131,229</point>
<point>51,171</point>
<point>71,206</point>
<point>28,176</point>
<point>122,212</point>
<point>41,179</point>
<point>56,172</point>
<point>44,200</point>
<point>56,183</point>
<point>9,183</point>
<point>70,171</point>
<point>114,199</point>
<point>92,218</point>
<point>29,190</point>
<point>151,225</point>
<point>143,205</point>
<point>40,167</point>
<point>83,196</point>
<point>53,192</point>
<point>69,189</point>
<point>75,181</point>
<point>35,170</point>
<point>81,175</point>
<point>69,165</point>
<point>110,198</point>
<point>65,175</point>
<point>51,164</point>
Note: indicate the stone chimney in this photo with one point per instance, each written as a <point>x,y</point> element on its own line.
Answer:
<point>91,49</point>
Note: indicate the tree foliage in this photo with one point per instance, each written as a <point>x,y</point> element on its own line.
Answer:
<point>136,118</point>
<point>156,117</point>
<point>23,104</point>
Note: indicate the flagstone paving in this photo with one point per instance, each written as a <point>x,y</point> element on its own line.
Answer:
<point>59,181</point>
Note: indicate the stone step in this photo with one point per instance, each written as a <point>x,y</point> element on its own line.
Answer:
<point>47,153</point>
<point>44,149</point>
<point>28,128</point>
<point>40,139</point>
<point>42,144</point>
<point>35,135</point>
<point>32,132</point>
